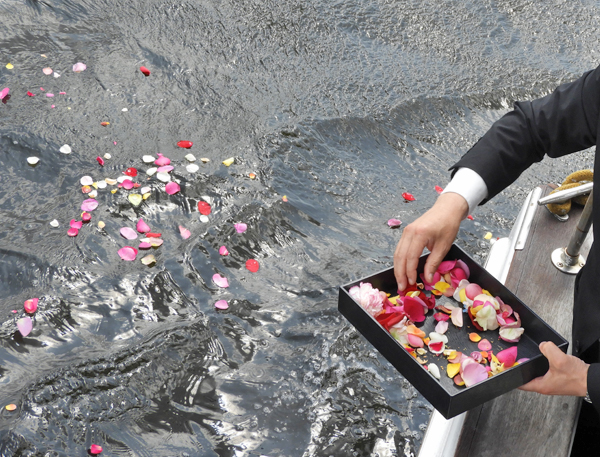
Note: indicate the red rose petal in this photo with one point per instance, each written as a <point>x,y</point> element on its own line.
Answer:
<point>131,172</point>
<point>153,235</point>
<point>95,449</point>
<point>100,160</point>
<point>185,144</point>
<point>252,265</point>
<point>408,197</point>
<point>145,70</point>
<point>438,189</point>
<point>204,208</point>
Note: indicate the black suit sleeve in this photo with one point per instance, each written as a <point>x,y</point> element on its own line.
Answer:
<point>593,385</point>
<point>560,123</point>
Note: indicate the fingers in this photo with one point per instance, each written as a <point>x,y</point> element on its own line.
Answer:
<point>534,385</point>
<point>436,257</point>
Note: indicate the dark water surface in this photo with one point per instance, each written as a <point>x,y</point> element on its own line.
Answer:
<point>341,107</point>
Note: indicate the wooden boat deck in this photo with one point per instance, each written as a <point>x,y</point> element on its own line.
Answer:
<point>522,423</point>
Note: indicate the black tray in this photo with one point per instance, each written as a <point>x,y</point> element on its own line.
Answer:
<point>445,396</point>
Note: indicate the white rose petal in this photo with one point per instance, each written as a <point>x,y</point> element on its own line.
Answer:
<point>192,168</point>
<point>65,149</point>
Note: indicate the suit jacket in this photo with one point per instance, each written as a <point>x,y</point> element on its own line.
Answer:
<point>566,121</point>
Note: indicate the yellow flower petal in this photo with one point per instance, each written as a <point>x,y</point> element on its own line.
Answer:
<point>228,162</point>
<point>135,199</point>
<point>453,369</point>
<point>10,66</point>
<point>488,236</point>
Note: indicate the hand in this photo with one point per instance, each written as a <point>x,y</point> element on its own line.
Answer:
<point>435,230</point>
<point>567,374</point>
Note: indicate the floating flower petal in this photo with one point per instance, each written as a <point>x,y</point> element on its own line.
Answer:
<point>100,160</point>
<point>79,67</point>
<point>229,161</point>
<point>128,233</point>
<point>438,189</point>
<point>75,224</point>
<point>164,177</point>
<point>142,227</point>
<point>104,124</point>
<point>185,233</point>
<point>86,217</point>
<point>172,188</point>
<point>25,325</point>
<point>54,223</point>
<point>135,199</point>
<point>223,250</point>
<point>10,66</point>
<point>65,149</point>
<point>165,169</point>
<point>252,265</point>
<point>31,305</point>
<point>240,227</point>
<point>4,92</point>
<point>72,232</point>
<point>95,449</point>
<point>149,259</point>
<point>192,168</point>
<point>408,197</point>
<point>221,304</point>
<point>145,71</point>
<point>11,407</point>
<point>148,159</point>
<point>47,71</point>
<point>220,280</point>
<point>131,172</point>
<point>162,160</point>
<point>89,205</point>
<point>190,157</point>
<point>33,160</point>
<point>394,223</point>
<point>204,208</point>
<point>30,94</point>
<point>185,144</point>
<point>86,180</point>
<point>128,253</point>
<point>128,184</point>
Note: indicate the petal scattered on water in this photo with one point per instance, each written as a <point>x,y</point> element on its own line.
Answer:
<point>149,259</point>
<point>4,92</point>
<point>142,227</point>
<point>438,189</point>
<point>135,199</point>
<point>221,304</point>
<point>131,172</point>
<point>190,158</point>
<point>72,232</point>
<point>25,325</point>
<point>31,305</point>
<point>10,66</point>
<point>394,223</point>
<point>165,168</point>
<point>78,67</point>
<point>204,208</point>
<point>100,160</point>
<point>33,160</point>
<point>89,205</point>
<point>11,407</point>
<point>204,218</point>
<point>223,250</point>
<point>128,253</point>
<point>86,180</point>
<point>54,223</point>
<point>185,233</point>
<point>408,197</point>
<point>162,160</point>
<point>65,149</point>
<point>145,71</point>
<point>192,168</point>
<point>220,280</point>
<point>252,265</point>
<point>164,177</point>
<point>95,449</point>
<point>128,184</point>
<point>148,159</point>
<point>185,144</point>
<point>151,171</point>
<point>229,161</point>
<point>172,188</point>
<point>75,224</point>
<point>128,233</point>
<point>240,227</point>
<point>47,71</point>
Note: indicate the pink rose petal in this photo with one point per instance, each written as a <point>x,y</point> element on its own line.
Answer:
<point>128,253</point>
<point>162,160</point>
<point>415,341</point>
<point>457,317</point>
<point>441,327</point>
<point>145,245</point>
<point>223,250</point>
<point>474,373</point>
<point>185,233</point>
<point>165,169</point>
<point>86,217</point>
<point>100,160</point>
<point>25,325</point>
<point>49,95</point>
<point>95,449</point>
<point>79,67</point>
<point>142,227</point>
<point>394,223</point>
<point>76,224</point>
<point>508,356</point>
<point>31,305</point>
<point>128,233</point>
<point>484,345</point>
<point>89,205</point>
<point>72,232</point>
<point>221,304</point>
<point>47,71</point>
<point>220,280</point>
<point>4,93</point>
<point>241,227</point>
<point>127,184</point>
<point>172,188</point>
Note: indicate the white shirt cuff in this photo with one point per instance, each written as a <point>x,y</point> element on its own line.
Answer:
<point>468,184</point>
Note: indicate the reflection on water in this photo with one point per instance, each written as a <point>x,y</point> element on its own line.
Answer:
<point>340,107</point>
